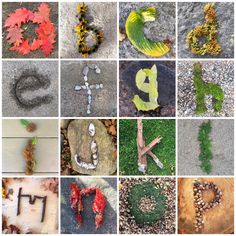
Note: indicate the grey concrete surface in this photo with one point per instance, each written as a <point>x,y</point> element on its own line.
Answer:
<point>191,15</point>
<point>160,29</point>
<point>102,15</point>
<point>74,103</point>
<point>68,221</point>
<point>12,70</point>
<point>222,136</point>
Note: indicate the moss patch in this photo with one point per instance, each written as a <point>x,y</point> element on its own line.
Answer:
<point>203,89</point>
<point>205,147</point>
<point>165,150</point>
<point>139,191</point>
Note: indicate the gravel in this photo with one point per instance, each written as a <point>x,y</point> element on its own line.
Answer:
<point>163,226</point>
<point>191,15</point>
<point>219,72</point>
<point>162,28</point>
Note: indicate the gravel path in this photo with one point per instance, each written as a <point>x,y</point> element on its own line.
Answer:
<point>102,15</point>
<point>188,147</point>
<point>191,15</point>
<point>219,72</point>
<point>162,28</point>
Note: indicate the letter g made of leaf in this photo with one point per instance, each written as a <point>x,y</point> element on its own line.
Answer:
<point>150,87</point>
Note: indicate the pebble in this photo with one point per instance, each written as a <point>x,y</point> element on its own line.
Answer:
<point>85,70</point>
<point>92,66</point>
<point>77,87</point>
<point>89,92</point>
<point>85,78</point>
<point>98,71</point>
<point>89,99</point>
<point>91,129</point>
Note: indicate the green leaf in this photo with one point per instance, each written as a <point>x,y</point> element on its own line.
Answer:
<point>135,32</point>
<point>150,88</point>
<point>24,122</point>
<point>34,141</point>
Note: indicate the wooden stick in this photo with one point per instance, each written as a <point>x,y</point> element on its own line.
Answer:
<point>150,145</point>
<point>142,159</point>
<point>155,158</point>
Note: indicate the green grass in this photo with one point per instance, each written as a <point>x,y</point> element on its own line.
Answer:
<point>149,190</point>
<point>203,89</point>
<point>165,150</point>
<point>205,147</point>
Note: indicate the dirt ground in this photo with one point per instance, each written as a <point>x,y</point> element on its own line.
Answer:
<point>222,136</point>
<point>10,7</point>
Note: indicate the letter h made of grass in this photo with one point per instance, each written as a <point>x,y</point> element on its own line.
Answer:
<point>202,89</point>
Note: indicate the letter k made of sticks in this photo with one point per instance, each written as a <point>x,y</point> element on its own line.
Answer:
<point>144,150</point>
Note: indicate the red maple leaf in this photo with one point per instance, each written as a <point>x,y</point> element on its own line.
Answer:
<point>45,28</point>
<point>35,45</point>
<point>47,47</point>
<point>43,13</point>
<point>21,15</point>
<point>23,48</point>
<point>14,36</point>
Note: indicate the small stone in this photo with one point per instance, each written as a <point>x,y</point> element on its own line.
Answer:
<point>83,87</point>
<point>77,88</point>
<point>85,78</point>
<point>92,86</point>
<point>86,84</point>
<point>101,85</point>
<point>93,147</point>
<point>85,70</point>
<point>88,107</point>
<point>97,86</point>
<point>89,99</point>
<point>93,66</point>
<point>88,112</point>
<point>98,71</point>
<point>89,92</point>
<point>91,129</point>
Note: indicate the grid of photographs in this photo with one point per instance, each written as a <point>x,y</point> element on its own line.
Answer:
<point>117,117</point>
